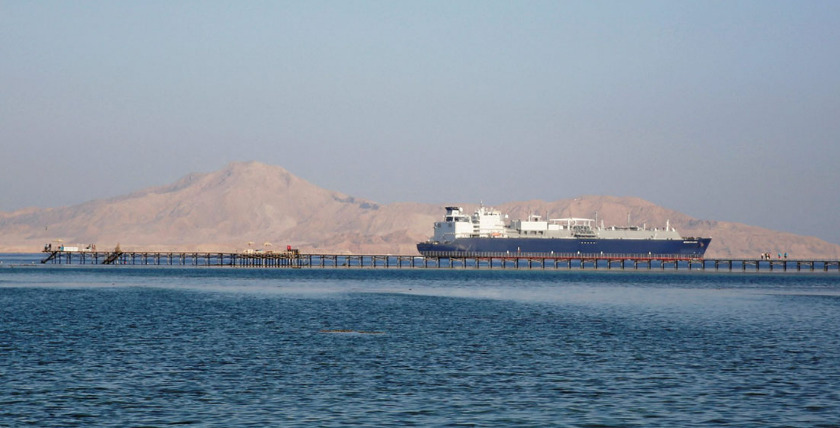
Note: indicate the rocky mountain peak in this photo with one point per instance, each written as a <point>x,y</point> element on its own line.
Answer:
<point>254,202</point>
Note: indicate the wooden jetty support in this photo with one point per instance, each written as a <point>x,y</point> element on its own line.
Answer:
<point>296,259</point>
<point>175,258</point>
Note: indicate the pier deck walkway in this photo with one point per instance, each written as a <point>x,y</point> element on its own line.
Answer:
<point>295,259</point>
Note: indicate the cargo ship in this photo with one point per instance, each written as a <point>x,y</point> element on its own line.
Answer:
<point>486,233</point>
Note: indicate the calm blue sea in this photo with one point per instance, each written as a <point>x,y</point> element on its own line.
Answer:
<point>156,346</point>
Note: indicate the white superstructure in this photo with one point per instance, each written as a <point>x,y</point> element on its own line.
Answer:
<point>489,223</point>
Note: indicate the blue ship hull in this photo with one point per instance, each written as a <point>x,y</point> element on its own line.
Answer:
<point>689,247</point>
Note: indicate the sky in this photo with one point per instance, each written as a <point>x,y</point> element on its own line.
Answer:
<point>723,110</point>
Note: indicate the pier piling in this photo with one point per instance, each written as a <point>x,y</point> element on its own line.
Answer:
<point>295,259</point>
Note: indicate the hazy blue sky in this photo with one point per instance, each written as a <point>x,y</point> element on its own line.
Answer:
<point>724,110</point>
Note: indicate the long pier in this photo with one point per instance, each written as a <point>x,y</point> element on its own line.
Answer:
<point>295,259</point>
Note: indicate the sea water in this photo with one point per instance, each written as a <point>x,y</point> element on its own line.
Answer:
<point>155,346</point>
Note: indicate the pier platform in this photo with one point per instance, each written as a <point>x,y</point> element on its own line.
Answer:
<point>296,259</point>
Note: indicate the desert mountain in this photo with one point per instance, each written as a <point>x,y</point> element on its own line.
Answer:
<point>253,204</point>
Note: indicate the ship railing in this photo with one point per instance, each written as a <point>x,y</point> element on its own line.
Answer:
<point>549,255</point>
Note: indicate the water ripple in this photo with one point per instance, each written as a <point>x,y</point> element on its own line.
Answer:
<point>294,349</point>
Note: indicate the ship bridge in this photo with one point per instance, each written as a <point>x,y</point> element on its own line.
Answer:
<point>484,223</point>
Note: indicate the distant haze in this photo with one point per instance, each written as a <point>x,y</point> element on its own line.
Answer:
<point>724,111</point>
<point>254,205</point>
